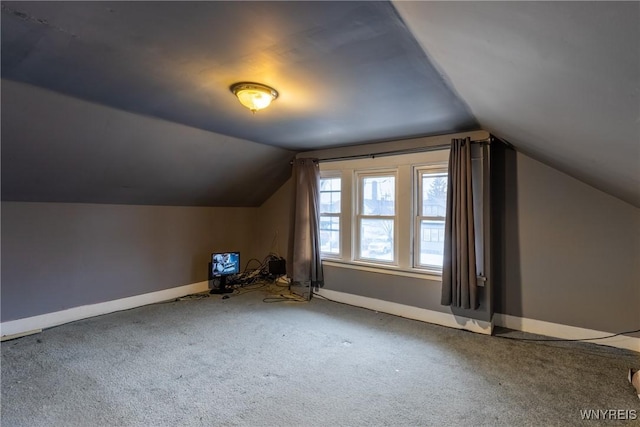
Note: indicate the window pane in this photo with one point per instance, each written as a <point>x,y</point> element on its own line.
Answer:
<point>330,195</point>
<point>376,239</point>
<point>330,184</point>
<point>378,195</point>
<point>434,195</point>
<point>330,202</point>
<point>431,243</point>
<point>330,234</point>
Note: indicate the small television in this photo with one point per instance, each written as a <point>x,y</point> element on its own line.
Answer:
<point>223,264</point>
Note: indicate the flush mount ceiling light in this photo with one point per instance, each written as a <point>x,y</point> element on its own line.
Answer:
<point>254,96</point>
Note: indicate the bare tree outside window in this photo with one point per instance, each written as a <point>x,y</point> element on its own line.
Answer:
<point>377,217</point>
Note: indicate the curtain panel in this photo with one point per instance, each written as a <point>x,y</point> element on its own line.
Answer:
<point>307,266</point>
<point>459,279</point>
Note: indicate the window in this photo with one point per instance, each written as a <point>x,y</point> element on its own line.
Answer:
<point>377,224</point>
<point>330,199</point>
<point>376,216</point>
<point>430,216</point>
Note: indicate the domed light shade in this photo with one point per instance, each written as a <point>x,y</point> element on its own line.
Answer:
<point>254,96</point>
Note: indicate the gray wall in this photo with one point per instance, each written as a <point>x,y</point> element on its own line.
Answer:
<point>411,291</point>
<point>572,252</point>
<point>399,289</point>
<point>273,225</point>
<point>56,148</point>
<point>57,256</point>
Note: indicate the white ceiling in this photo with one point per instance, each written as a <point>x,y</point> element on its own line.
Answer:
<point>559,80</point>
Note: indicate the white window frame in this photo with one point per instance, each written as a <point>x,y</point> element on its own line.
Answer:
<point>334,175</point>
<point>360,176</point>
<point>420,171</point>
<point>405,210</point>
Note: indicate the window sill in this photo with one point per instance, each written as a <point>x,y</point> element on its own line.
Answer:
<point>376,268</point>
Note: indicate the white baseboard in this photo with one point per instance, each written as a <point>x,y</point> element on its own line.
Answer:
<point>557,330</point>
<point>410,312</point>
<point>26,326</point>
<point>35,324</point>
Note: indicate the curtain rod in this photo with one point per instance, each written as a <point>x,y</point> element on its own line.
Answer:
<point>398,152</point>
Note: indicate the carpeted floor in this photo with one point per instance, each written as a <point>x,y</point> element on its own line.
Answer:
<point>241,361</point>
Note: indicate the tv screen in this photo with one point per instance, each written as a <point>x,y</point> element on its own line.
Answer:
<point>225,263</point>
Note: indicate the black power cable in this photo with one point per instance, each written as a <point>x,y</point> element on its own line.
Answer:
<point>567,340</point>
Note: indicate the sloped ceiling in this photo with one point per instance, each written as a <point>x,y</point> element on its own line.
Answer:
<point>58,148</point>
<point>347,72</point>
<point>128,102</point>
<point>559,80</point>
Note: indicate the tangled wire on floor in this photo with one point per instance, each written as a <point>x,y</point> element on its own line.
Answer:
<point>256,279</point>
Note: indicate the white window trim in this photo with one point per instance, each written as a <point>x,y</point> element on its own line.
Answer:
<point>418,218</point>
<point>359,176</point>
<point>405,209</point>
<point>340,216</point>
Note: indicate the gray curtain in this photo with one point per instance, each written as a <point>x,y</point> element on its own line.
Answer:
<point>459,282</point>
<point>307,268</point>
